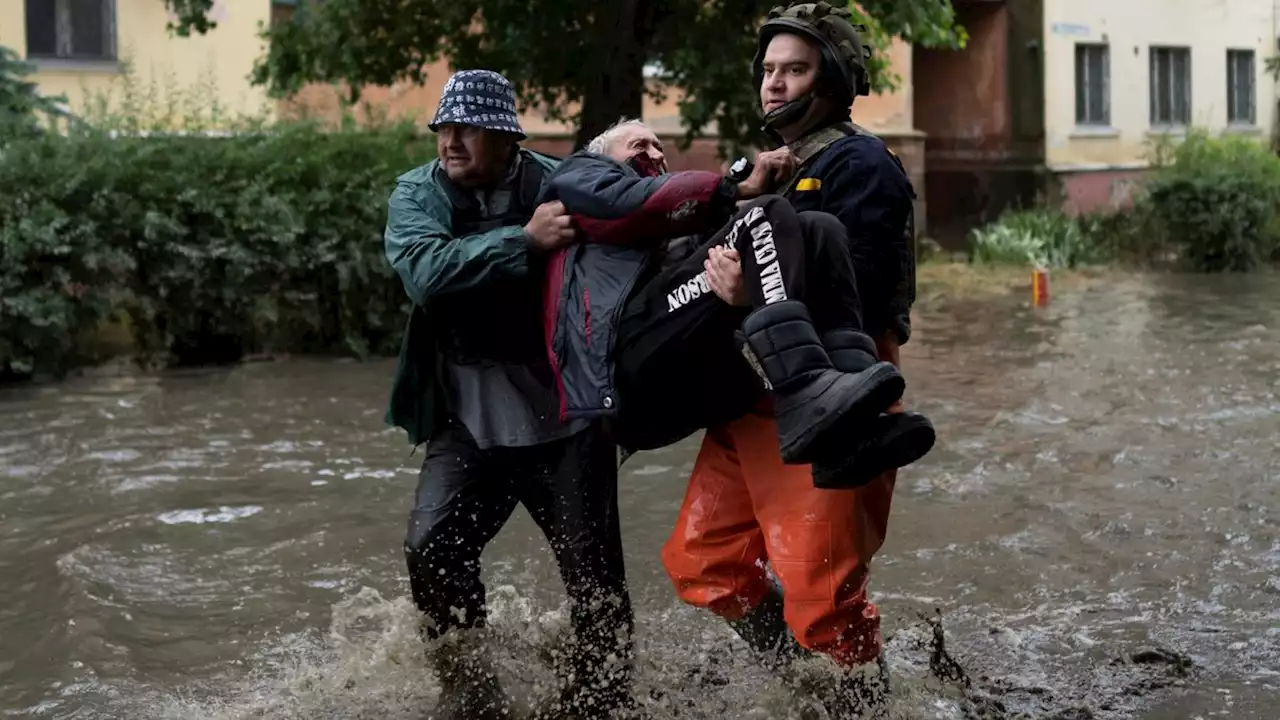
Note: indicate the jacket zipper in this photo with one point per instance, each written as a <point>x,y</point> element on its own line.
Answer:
<point>614,318</point>
<point>586,313</point>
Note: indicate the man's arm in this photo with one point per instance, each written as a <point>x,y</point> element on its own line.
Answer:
<point>430,261</point>
<point>871,195</point>
<point>613,206</point>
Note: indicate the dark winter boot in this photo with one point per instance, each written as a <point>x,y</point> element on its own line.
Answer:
<point>888,442</point>
<point>812,400</point>
<point>469,689</point>
<point>765,631</point>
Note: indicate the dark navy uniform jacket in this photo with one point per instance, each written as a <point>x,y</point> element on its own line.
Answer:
<point>861,182</point>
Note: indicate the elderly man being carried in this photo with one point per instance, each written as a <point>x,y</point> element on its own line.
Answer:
<point>635,334</point>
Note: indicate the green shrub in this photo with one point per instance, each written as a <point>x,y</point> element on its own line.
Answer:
<point>1038,237</point>
<point>1130,237</point>
<point>1217,199</point>
<point>23,110</point>
<point>1211,204</point>
<point>209,247</point>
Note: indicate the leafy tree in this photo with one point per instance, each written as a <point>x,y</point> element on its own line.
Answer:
<point>20,99</point>
<point>575,60</point>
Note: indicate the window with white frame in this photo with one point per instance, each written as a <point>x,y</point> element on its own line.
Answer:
<point>1241,88</point>
<point>71,29</point>
<point>1093,84</point>
<point>1170,86</point>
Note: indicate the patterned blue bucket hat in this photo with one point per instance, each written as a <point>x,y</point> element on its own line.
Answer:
<point>482,98</point>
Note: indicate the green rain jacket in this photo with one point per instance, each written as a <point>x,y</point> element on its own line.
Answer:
<point>431,262</point>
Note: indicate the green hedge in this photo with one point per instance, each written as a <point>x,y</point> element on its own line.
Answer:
<point>1049,238</point>
<point>1210,204</point>
<point>205,249</point>
<point>1218,200</point>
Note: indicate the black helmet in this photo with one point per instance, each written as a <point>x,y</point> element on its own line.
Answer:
<point>844,57</point>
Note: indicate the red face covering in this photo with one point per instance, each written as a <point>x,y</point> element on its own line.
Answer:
<point>646,166</point>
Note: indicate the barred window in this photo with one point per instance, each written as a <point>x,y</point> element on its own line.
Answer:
<point>71,29</point>
<point>1242,89</point>
<point>1170,86</point>
<point>1093,84</point>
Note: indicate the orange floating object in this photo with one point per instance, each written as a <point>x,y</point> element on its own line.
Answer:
<point>1039,287</point>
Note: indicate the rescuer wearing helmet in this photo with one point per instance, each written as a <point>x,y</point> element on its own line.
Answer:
<point>744,507</point>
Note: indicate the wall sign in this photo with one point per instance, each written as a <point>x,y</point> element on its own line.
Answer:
<point>1071,29</point>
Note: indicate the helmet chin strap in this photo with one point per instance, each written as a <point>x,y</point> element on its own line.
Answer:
<point>807,112</point>
<point>788,114</point>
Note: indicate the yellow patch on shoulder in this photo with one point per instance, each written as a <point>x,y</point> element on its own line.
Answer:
<point>808,184</point>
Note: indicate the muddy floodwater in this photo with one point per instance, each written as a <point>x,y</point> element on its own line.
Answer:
<point>1099,528</point>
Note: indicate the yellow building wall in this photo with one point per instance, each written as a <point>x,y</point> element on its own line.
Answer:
<point>1208,27</point>
<point>13,26</point>
<point>216,65</point>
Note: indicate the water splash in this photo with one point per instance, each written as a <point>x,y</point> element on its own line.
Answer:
<point>372,664</point>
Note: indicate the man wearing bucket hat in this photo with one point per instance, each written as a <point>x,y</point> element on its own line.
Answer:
<point>469,241</point>
<point>744,507</point>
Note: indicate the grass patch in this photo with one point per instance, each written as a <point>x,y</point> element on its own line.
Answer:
<point>943,281</point>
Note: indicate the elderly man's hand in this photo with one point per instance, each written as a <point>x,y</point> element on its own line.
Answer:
<point>550,227</point>
<point>772,169</point>
<point>724,274</point>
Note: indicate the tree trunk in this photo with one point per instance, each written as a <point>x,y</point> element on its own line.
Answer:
<point>623,31</point>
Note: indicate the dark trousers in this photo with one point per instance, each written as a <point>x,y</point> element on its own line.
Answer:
<point>465,496</point>
<point>679,369</point>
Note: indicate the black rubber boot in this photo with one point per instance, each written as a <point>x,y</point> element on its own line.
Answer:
<point>765,631</point>
<point>590,684</point>
<point>888,442</point>
<point>856,694</point>
<point>469,689</point>
<point>816,405</point>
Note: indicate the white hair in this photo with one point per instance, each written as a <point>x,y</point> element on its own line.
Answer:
<point>600,143</point>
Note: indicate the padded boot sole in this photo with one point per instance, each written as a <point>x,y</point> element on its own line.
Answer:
<point>892,441</point>
<point>857,404</point>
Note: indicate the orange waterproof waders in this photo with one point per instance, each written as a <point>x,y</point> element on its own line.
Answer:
<point>744,508</point>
